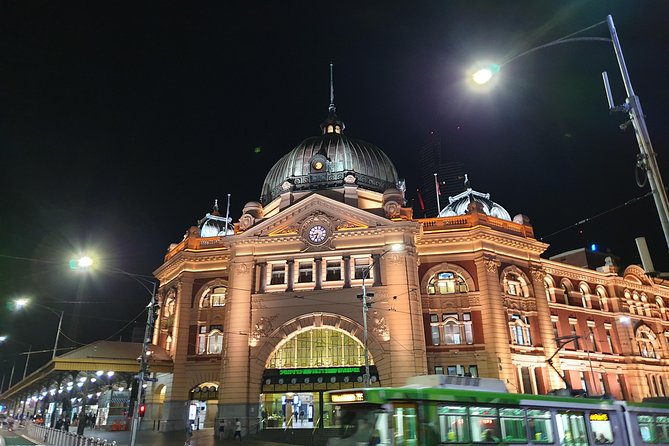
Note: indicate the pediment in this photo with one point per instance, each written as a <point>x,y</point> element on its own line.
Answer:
<point>316,210</point>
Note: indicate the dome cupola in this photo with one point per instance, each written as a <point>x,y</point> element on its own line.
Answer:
<point>461,204</point>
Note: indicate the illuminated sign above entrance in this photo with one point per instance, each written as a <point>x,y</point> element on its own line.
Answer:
<point>324,371</point>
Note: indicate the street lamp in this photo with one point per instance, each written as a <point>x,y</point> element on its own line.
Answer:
<point>632,106</point>
<point>85,263</point>
<point>22,303</point>
<point>365,306</point>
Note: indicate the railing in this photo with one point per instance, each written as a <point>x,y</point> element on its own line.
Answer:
<point>59,437</point>
<point>472,220</point>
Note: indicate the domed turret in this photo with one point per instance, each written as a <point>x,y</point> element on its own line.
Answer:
<point>213,225</point>
<point>461,203</point>
<point>329,161</point>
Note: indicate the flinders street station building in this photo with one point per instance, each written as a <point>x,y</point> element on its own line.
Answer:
<point>328,281</point>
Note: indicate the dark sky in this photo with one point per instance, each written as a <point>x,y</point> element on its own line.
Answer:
<point>121,122</point>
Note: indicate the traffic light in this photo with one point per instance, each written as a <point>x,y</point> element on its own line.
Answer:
<point>142,410</point>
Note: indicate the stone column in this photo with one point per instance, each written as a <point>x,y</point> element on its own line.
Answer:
<point>318,279</point>
<point>498,362</point>
<point>546,328</point>
<point>235,398</point>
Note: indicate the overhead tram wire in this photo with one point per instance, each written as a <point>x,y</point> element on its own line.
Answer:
<point>586,220</point>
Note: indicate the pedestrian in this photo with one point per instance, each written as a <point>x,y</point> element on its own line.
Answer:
<point>221,429</point>
<point>238,429</point>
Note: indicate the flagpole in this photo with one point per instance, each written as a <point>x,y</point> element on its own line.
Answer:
<point>437,192</point>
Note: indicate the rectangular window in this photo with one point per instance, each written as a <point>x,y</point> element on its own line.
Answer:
<point>512,422</point>
<point>305,272</point>
<point>202,339</point>
<point>362,269</point>
<point>452,333</point>
<point>584,384</point>
<point>278,274</point>
<point>572,326</point>
<point>556,333</point>
<point>333,270</point>
<point>452,370</point>
<point>571,428</point>
<point>593,341</point>
<point>484,424</point>
<point>438,370</point>
<point>526,380</point>
<point>541,428</point>
<point>469,333</point>
<point>453,421</point>
<point>474,371</point>
<point>609,340</point>
<point>435,335</point>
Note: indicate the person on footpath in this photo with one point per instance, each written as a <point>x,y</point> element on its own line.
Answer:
<point>221,429</point>
<point>238,429</point>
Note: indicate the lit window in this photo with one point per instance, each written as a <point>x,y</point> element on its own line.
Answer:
<point>447,282</point>
<point>333,270</point>
<point>217,296</point>
<point>305,272</point>
<point>278,274</point>
<point>362,269</point>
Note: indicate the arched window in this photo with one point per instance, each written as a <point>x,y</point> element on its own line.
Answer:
<point>210,340</point>
<point>565,293</point>
<point>214,297</point>
<point>446,282</point>
<point>601,297</point>
<point>318,347</point>
<point>515,285</point>
<point>520,330</point>
<point>547,290</point>
<point>646,342</point>
<point>584,295</point>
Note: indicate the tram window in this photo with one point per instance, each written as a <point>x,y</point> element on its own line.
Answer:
<point>601,428</point>
<point>405,426</point>
<point>512,422</point>
<point>571,428</point>
<point>662,429</point>
<point>484,424</point>
<point>646,428</point>
<point>541,428</point>
<point>453,424</point>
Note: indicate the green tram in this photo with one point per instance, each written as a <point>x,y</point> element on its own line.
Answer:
<point>472,411</point>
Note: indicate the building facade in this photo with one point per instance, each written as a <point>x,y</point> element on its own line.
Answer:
<point>262,316</point>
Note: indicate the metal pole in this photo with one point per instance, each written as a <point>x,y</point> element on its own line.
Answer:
<point>11,376</point>
<point>25,369</point>
<point>633,106</point>
<point>143,366</point>
<point>55,345</point>
<point>366,378</point>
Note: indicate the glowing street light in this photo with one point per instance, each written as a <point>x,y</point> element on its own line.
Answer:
<point>398,247</point>
<point>484,74</point>
<point>23,303</point>
<point>85,263</point>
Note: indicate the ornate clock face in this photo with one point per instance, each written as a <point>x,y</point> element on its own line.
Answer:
<point>318,234</point>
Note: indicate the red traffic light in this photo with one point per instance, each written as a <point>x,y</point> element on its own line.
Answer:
<point>142,410</point>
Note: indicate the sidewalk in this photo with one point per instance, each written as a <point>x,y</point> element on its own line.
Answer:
<point>203,437</point>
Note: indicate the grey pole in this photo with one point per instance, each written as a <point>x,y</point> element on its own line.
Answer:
<point>55,345</point>
<point>144,363</point>
<point>366,377</point>
<point>633,107</point>
<point>25,369</point>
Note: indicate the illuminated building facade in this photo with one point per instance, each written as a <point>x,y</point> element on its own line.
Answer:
<point>263,315</point>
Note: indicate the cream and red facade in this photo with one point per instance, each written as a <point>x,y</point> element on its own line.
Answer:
<point>469,293</point>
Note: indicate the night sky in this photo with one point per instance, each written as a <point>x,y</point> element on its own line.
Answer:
<point>122,122</point>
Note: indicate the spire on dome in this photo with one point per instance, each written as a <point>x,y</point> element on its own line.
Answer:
<point>468,184</point>
<point>215,209</point>
<point>332,124</point>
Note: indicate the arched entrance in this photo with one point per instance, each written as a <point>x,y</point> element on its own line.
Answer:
<point>202,406</point>
<point>304,365</point>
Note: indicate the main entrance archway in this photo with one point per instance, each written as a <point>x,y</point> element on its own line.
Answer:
<point>304,365</point>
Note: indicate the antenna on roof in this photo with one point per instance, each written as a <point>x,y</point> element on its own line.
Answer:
<point>227,216</point>
<point>331,109</point>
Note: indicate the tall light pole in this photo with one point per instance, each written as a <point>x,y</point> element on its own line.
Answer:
<point>142,377</point>
<point>365,307</point>
<point>632,106</point>
<point>21,303</point>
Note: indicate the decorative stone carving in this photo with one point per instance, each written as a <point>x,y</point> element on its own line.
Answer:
<point>349,179</point>
<point>262,328</point>
<point>537,274</point>
<point>379,326</point>
<point>392,209</point>
<point>245,222</point>
<point>241,268</point>
<point>491,264</point>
